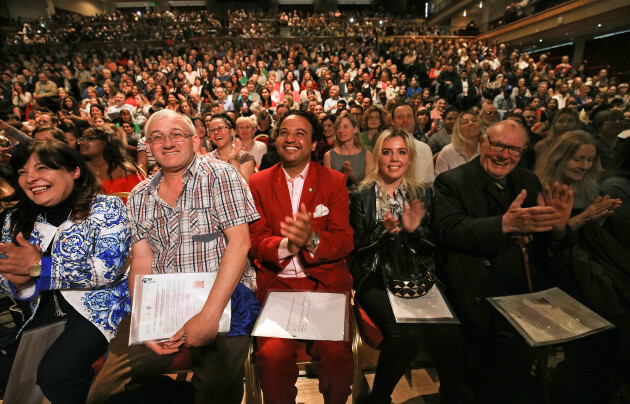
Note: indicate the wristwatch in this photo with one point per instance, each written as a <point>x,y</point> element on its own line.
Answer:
<point>313,241</point>
<point>35,270</point>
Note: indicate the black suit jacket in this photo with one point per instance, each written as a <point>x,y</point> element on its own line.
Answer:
<point>476,260</point>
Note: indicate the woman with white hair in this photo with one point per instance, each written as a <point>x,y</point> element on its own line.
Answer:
<point>464,144</point>
<point>245,129</point>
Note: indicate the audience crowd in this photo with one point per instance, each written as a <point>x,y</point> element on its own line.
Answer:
<point>453,98</point>
<point>184,25</point>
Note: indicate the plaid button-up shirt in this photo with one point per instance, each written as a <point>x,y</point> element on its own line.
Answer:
<point>188,237</point>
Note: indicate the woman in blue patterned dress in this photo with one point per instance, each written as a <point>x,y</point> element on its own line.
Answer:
<point>62,255</point>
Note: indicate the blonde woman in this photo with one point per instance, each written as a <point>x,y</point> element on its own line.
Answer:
<point>389,201</point>
<point>464,144</point>
<point>573,160</point>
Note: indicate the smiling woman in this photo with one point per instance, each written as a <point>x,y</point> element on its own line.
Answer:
<point>389,202</point>
<point>230,150</point>
<point>58,200</point>
<point>348,156</point>
<point>573,160</point>
<point>464,144</point>
<point>108,159</point>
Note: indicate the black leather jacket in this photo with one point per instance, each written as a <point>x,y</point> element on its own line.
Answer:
<point>369,234</point>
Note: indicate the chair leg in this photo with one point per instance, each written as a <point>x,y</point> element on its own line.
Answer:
<point>357,354</point>
<point>253,394</point>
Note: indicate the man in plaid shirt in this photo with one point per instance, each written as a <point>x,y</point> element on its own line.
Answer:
<point>192,216</point>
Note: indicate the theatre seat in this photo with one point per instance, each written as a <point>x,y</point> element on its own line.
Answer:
<point>263,138</point>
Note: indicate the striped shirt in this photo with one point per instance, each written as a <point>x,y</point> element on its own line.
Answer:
<point>188,237</point>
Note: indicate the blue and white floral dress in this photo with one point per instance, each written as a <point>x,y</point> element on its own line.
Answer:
<point>85,264</point>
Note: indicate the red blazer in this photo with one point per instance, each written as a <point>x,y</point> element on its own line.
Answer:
<point>322,186</point>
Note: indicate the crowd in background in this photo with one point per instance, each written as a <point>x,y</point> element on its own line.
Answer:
<point>183,25</point>
<point>455,89</point>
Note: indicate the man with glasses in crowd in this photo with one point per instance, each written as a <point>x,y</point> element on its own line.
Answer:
<point>489,114</point>
<point>484,211</point>
<point>192,216</point>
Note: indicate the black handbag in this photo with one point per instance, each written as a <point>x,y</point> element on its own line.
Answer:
<point>407,272</point>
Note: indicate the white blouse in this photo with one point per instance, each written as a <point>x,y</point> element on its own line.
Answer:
<point>450,158</point>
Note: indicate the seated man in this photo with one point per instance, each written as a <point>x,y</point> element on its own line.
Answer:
<point>300,243</point>
<point>189,217</point>
<point>483,212</point>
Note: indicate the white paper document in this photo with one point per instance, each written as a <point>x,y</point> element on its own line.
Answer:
<point>162,303</point>
<point>303,315</point>
<point>430,308</point>
<point>550,316</point>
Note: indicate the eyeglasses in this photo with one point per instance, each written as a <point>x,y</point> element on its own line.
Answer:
<point>88,139</point>
<point>514,151</point>
<point>176,137</point>
<point>491,113</point>
<point>218,129</point>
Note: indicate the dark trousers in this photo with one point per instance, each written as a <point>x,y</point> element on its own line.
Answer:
<point>134,373</point>
<point>65,372</point>
<point>401,342</point>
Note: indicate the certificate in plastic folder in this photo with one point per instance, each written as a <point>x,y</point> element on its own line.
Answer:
<point>304,315</point>
<point>549,317</point>
<point>162,303</point>
<point>430,308</point>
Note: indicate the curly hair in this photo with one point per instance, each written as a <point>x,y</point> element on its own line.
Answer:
<point>317,128</point>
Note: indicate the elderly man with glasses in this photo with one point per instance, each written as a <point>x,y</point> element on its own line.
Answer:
<point>495,226</point>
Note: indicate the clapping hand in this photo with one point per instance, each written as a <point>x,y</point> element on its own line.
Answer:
<point>535,219</point>
<point>412,215</point>
<point>18,260</point>
<point>297,229</point>
<point>560,198</point>
<point>391,223</point>
<point>596,212</point>
<point>347,169</point>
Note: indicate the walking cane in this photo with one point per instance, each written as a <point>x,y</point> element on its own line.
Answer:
<point>522,241</point>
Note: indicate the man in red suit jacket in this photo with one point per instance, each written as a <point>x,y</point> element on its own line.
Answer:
<point>300,242</point>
